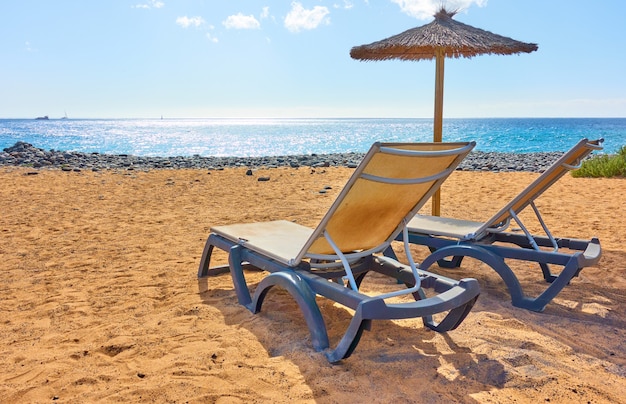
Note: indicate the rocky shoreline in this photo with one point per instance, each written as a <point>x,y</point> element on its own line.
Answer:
<point>26,155</point>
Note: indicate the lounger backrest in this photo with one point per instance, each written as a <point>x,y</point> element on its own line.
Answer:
<point>392,183</point>
<point>567,162</point>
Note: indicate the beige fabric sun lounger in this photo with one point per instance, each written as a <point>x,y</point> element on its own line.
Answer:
<point>391,184</point>
<point>490,242</point>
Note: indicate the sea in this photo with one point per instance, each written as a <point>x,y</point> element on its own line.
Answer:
<point>251,137</point>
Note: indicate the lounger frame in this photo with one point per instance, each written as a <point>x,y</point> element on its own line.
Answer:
<point>491,243</point>
<point>455,297</point>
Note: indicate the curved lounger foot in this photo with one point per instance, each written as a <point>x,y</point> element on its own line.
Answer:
<point>350,339</point>
<point>204,269</point>
<point>547,274</point>
<point>457,300</point>
<point>205,261</point>
<point>557,284</point>
<point>496,262</point>
<point>452,320</point>
<point>493,260</point>
<point>305,298</point>
<point>453,262</point>
<point>448,263</point>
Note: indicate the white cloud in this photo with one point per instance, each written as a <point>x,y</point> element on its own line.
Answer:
<point>425,9</point>
<point>347,5</point>
<point>265,13</point>
<point>300,18</point>
<point>187,22</point>
<point>211,38</point>
<point>241,21</point>
<point>150,4</point>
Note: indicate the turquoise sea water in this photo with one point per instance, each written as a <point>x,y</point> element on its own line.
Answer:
<point>272,137</point>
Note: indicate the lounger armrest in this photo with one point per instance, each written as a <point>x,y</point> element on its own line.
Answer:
<point>460,294</point>
<point>593,252</point>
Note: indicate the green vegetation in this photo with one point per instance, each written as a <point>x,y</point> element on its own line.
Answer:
<point>604,166</point>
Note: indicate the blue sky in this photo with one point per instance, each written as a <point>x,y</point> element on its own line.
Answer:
<point>267,58</point>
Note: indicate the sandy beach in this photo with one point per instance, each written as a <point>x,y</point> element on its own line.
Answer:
<point>100,300</point>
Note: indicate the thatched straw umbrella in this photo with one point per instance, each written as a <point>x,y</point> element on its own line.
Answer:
<point>443,37</point>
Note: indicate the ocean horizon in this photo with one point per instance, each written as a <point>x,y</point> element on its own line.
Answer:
<point>255,137</point>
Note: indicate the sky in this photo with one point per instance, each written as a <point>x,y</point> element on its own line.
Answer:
<point>291,59</point>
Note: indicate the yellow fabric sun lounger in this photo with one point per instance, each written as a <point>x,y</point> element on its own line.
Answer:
<point>490,242</point>
<point>391,184</point>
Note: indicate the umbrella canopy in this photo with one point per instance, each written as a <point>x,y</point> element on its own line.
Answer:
<point>443,37</point>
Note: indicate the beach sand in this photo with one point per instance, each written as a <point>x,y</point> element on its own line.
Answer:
<point>100,300</point>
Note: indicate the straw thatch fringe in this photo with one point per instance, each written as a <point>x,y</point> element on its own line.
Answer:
<point>454,38</point>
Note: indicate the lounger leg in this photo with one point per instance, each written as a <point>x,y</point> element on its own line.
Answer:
<point>449,263</point>
<point>205,261</point>
<point>239,280</point>
<point>452,320</point>
<point>547,274</point>
<point>390,253</point>
<point>350,339</point>
<point>305,298</point>
<point>559,282</point>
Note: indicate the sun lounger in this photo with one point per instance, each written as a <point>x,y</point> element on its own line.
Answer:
<point>391,184</point>
<point>452,239</point>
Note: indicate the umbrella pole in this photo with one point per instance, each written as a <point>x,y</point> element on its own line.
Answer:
<point>438,127</point>
<point>438,124</point>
